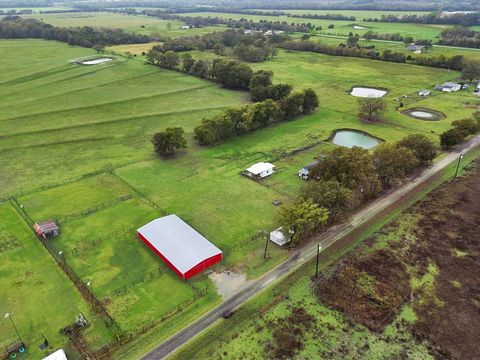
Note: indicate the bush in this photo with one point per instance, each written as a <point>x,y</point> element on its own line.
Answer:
<point>167,142</point>
<point>452,137</point>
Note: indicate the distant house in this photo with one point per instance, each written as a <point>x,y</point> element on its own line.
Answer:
<point>451,87</point>
<point>185,27</point>
<point>250,32</point>
<point>414,48</point>
<point>260,170</point>
<point>424,92</point>
<point>279,237</point>
<point>272,32</point>
<point>304,172</point>
<point>47,229</point>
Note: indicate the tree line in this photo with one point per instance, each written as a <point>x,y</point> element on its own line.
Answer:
<point>14,27</point>
<point>464,19</point>
<point>253,47</point>
<point>441,61</point>
<point>460,36</point>
<point>240,120</point>
<point>460,130</point>
<point>345,178</point>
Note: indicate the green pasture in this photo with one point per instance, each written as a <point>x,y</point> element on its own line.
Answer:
<point>341,27</point>
<point>138,24</point>
<point>32,284</point>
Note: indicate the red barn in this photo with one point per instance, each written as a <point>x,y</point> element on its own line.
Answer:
<point>180,246</point>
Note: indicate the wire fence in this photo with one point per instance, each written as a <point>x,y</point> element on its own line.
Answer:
<point>262,234</point>
<point>90,244</point>
<point>122,290</point>
<point>94,209</point>
<point>144,196</point>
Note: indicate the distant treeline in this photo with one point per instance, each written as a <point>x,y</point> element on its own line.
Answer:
<point>199,21</point>
<point>468,19</point>
<point>16,12</point>
<point>14,27</point>
<point>460,36</point>
<point>441,61</point>
<point>253,47</point>
<point>25,4</point>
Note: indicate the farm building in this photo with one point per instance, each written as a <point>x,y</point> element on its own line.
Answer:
<point>185,27</point>
<point>47,229</point>
<point>451,87</point>
<point>260,170</point>
<point>424,92</point>
<point>414,48</point>
<point>57,355</point>
<point>181,247</point>
<point>278,237</point>
<point>304,172</point>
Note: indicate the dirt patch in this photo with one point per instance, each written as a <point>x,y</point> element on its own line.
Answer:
<point>438,253</point>
<point>369,290</point>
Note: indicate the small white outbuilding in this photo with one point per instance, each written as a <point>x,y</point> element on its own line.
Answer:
<point>57,355</point>
<point>278,237</point>
<point>260,170</point>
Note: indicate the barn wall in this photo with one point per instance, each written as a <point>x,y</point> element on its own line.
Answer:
<point>203,265</point>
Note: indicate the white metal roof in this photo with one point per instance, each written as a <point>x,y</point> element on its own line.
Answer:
<point>260,167</point>
<point>57,355</point>
<point>182,245</point>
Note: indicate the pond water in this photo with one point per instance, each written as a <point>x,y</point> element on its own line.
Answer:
<point>358,27</point>
<point>349,138</point>
<point>422,114</point>
<point>96,61</point>
<point>367,92</point>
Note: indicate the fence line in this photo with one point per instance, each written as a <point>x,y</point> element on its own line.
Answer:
<point>85,245</point>
<point>153,204</point>
<point>122,290</point>
<point>258,235</point>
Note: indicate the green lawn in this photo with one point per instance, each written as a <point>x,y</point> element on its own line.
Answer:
<point>138,24</point>
<point>359,14</point>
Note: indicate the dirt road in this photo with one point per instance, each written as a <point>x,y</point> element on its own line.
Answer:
<point>304,254</point>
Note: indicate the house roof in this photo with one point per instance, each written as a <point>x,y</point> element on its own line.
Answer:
<point>46,226</point>
<point>450,84</point>
<point>260,167</point>
<point>182,245</point>
<point>309,166</point>
<point>57,355</point>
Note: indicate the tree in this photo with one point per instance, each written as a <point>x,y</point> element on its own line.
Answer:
<point>352,168</point>
<point>310,101</point>
<point>471,70</point>
<point>421,146</point>
<point>371,108</point>
<point>292,105</point>
<point>393,163</point>
<point>352,41</point>
<point>167,142</point>
<point>170,60</point>
<point>200,69</point>
<point>330,195</point>
<point>188,62</point>
<point>302,219</point>
<point>470,126</point>
<point>452,137</point>
<point>99,48</point>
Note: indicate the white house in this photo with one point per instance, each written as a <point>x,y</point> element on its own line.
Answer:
<point>260,170</point>
<point>424,92</point>
<point>451,87</point>
<point>185,27</point>
<point>304,172</point>
<point>278,237</point>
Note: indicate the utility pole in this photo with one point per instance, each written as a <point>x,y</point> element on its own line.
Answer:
<point>458,164</point>
<point>266,247</point>
<point>8,315</point>
<point>318,257</point>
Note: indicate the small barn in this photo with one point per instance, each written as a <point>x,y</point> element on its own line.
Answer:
<point>304,172</point>
<point>414,48</point>
<point>260,170</point>
<point>47,229</point>
<point>279,237</point>
<point>424,93</point>
<point>181,247</point>
<point>57,355</point>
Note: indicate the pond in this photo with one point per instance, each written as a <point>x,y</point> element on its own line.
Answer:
<point>96,61</point>
<point>358,27</point>
<point>424,114</point>
<point>367,92</point>
<point>351,138</point>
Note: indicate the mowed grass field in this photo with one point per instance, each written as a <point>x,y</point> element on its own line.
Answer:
<point>138,24</point>
<point>40,298</point>
<point>341,27</point>
<point>359,14</point>
<point>59,120</point>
